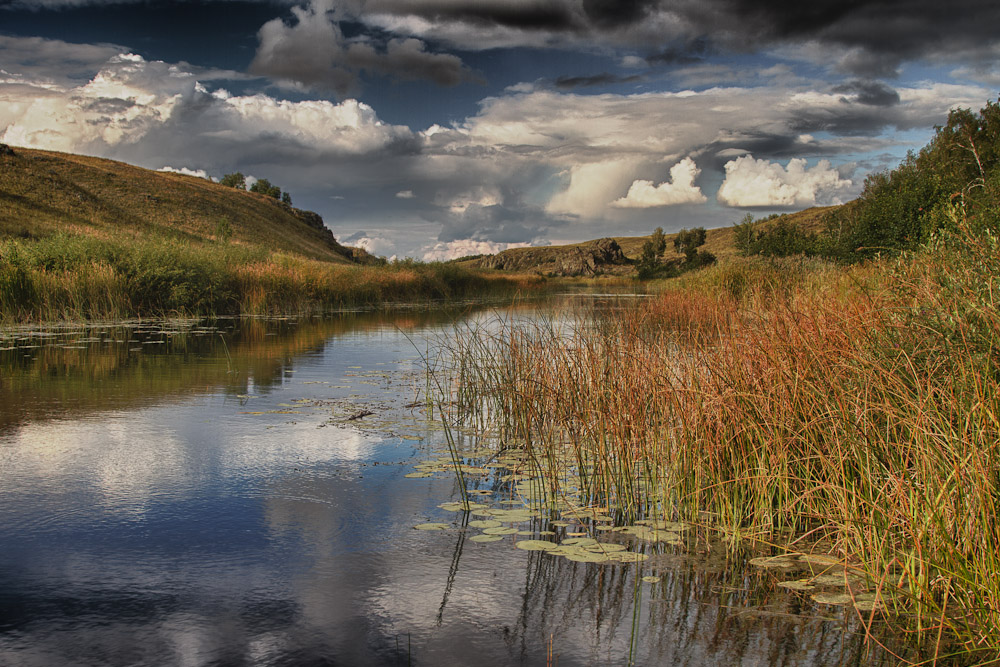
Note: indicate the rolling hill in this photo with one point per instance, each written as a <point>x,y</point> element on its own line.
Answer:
<point>43,193</point>
<point>616,255</point>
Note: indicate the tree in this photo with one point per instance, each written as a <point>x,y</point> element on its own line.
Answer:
<point>286,198</point>
<point>235,180</point>
<point>687,241</point>
<point>264,187</point>
<point>652,253</point>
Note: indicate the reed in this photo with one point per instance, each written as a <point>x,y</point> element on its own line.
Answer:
<point>852,409</point>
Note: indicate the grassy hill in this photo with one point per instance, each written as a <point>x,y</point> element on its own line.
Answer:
<point>591,257</point>
<point>87,238</point>
<point>43,193</point>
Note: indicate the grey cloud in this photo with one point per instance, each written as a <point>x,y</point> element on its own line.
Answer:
<point>603,79</point>
<point>312,50</point>
<point>872,93</point>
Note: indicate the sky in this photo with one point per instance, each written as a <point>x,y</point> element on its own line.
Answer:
<point>436,129</point>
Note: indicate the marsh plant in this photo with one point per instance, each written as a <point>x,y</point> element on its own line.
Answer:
<point>857,414</point>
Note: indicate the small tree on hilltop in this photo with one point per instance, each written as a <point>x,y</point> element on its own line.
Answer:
<point>235,180</point>
<point>264,187</point>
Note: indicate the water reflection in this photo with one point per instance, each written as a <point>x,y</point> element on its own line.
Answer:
<point>206,500</point>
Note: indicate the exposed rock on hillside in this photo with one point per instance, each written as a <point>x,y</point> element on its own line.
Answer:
<point>596,257</point>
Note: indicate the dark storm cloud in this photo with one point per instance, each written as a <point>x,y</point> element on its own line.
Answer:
<point>873,93</point>
<point>603,79</point>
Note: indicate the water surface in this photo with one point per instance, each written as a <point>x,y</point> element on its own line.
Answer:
<point>197,493</point>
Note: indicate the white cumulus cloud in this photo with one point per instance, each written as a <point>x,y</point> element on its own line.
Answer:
<point>751,182</point>
<point>199,173</point>
<point>680,189</point>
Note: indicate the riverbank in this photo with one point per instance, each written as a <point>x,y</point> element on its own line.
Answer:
<point>87,277</point>
<point>847,412</point>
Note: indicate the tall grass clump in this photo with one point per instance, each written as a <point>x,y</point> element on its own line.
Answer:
<point>79,277</point>
<point>860,417</point>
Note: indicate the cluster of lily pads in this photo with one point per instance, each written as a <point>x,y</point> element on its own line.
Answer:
<point>833,583</point>
<point>531,497</point>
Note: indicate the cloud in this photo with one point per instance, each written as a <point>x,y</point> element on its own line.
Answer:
<point>442,252</point>
<point>680,189</point>
<point>313,51</point>
<point>133,108</point>
<point>751,182</point>
<point>873,93</point>
<point>603,79</point>
<point>199,173</point>
<point>592,188</point>
<point>405,194</point>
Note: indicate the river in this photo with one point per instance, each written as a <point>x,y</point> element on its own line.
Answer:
<point>212,493</point>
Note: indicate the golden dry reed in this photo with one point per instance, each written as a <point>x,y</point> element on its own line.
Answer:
<point>792,403</point>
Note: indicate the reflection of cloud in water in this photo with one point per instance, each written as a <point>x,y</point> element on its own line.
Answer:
<point>298,443</point>
<point>123,462</point>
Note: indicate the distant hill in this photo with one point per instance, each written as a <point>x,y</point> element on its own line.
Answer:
<point>616,255</point>
<point>43,193</point>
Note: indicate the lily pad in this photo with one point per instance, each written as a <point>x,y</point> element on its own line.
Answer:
<point>651,579</point>
<point>486,538</point>
<point>628,556</point>
<point>484,523</point>
<point>819,559</point>
<point>830,580</point>
<point>418,475</point>
<point>500,530</point>
<point>537,545</point>
<point>797,585</point>
<point>773,561</point>
<point>432,526</point>
<point>832,598</point>
<point>579,542</point>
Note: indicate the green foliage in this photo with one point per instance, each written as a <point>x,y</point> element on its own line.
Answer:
<point>235,180</point>
<point>286,198</point>
<point>953,181</point>
<point>744,233</point>
<point>652,254</point>
<point>687,241</point>
<point>264,187</point>
<point>224,230</point>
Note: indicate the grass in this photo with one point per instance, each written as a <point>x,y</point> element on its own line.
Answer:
<point>87,277</point>
<point>791,403</point>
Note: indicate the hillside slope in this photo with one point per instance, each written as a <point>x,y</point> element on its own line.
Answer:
<point>43,193</point>
<point>602,257</point>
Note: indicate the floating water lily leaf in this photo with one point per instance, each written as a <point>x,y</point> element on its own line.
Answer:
<point>500,530</point>
<point>628,556</point>
<point>773,561</point>
<point>418,475</point>
<point>579,542</point>
<point>458,506</point>
<point>525,532</point>
<point>486,538</point>
<point>537,545</point>
<point>832,598</point>
<point>651,579</point>
<point>484,523</point>
<point>866,602</point>
<point>819,559</point>
<point>561,524</point>
<point>604,527</point>
<point>606,547</point>
<point>797,585</point>
<point>432,526</point>
<point>830,580</point>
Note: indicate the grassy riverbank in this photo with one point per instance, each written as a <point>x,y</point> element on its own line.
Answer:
<point>81,277</point>
<point>790,402</point>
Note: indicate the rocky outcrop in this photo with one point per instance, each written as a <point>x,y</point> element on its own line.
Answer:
<point>594,258</point>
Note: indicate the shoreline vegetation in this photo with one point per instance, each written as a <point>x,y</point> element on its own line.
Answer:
<point>789,404</point>
<point>842,403</point>
<point>83,277</point>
